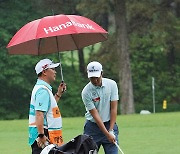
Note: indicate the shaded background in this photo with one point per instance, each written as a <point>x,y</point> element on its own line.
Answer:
<point>153,30</point>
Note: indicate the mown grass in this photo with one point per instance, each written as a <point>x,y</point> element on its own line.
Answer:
<point>139,134</point>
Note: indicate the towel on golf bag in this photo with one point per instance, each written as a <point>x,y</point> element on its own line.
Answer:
<point>81,144</point>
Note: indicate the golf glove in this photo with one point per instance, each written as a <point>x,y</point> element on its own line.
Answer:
<point>112,133</point>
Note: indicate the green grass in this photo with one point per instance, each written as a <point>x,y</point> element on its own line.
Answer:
<point>139,134</point>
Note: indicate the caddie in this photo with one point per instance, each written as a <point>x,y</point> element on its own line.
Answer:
<point>45,122</point>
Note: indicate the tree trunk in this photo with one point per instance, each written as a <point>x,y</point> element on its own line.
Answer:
<point>105,21</point>
<point>125,78</point>
<point>81,62</point>
<point>72,60</point>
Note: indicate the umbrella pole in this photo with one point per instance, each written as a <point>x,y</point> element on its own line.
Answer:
<point>60,66</point>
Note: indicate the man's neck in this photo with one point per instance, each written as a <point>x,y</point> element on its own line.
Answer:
<point>44,79</point>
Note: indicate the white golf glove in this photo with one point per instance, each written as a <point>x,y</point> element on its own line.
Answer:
<point>112,133</point>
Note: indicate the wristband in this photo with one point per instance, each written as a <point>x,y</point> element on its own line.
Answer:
<point>40,135</point>
<point>57,95</point>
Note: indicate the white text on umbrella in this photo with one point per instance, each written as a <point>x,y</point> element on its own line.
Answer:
<point>66,25</point>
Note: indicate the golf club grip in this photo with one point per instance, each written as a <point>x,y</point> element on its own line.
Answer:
<point>63,88</point>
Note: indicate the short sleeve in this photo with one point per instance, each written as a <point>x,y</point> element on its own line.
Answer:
<point>114,91</point>
<point>87,101</point>
<point>42,100</point>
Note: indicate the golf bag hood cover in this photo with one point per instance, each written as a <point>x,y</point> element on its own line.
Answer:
<point>82,144</point>
<point>47,149</point>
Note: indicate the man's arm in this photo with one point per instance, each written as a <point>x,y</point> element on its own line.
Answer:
<point>40,126</point>
<point>113,113</point>
<point>40,122</point>
<point>100,124</point>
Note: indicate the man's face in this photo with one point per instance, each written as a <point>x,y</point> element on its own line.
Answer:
<point>51,74</point>
<point>96,81</point>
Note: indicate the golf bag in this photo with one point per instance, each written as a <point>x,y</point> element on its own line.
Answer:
<point>82,144</point>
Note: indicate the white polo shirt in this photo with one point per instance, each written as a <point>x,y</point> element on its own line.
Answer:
<point>100,98</point>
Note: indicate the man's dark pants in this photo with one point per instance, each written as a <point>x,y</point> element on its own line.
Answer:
<point>93,130</point>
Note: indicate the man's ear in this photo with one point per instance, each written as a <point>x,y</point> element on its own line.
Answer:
<point>44,72</point>
<point>101,72</point>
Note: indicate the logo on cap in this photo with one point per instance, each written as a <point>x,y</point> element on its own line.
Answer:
<point>45,66</point>
<point>93,69</point>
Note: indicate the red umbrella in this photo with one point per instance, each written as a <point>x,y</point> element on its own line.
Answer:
<point>54,34</point>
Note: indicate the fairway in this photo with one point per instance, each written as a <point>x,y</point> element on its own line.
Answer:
<point>139,134</point>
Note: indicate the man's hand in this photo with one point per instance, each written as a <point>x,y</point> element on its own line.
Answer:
<point>112,134</point>
<point>42,141</point>
<point>61,89</point>
<point>100,124</point>
<point>111,137</point>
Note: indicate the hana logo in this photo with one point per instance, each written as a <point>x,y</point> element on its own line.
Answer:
<point>66,25</point>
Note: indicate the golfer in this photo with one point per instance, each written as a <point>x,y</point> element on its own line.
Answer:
<point>100,97</point>
<point>45,123</point>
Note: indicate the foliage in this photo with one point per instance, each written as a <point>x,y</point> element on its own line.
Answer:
<point>153,28</point>
<point>18,76</point>
<point>14,79</point>
<point>71,103</point>
<point>153,53</point>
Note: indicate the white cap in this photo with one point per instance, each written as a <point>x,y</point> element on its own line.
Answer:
<point>94,69</point>
<point>44,64</point>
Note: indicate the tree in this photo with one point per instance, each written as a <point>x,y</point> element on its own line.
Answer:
<point>102,10</point>
<point>81,62</point>
<point>15,70</point>
<point>153,33</point>
<point>126,88</point>
<point>153,49</point>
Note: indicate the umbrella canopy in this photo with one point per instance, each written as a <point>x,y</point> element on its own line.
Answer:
<point>56,33</point>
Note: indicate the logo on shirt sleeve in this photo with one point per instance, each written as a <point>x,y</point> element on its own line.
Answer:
<point>97,99</point>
